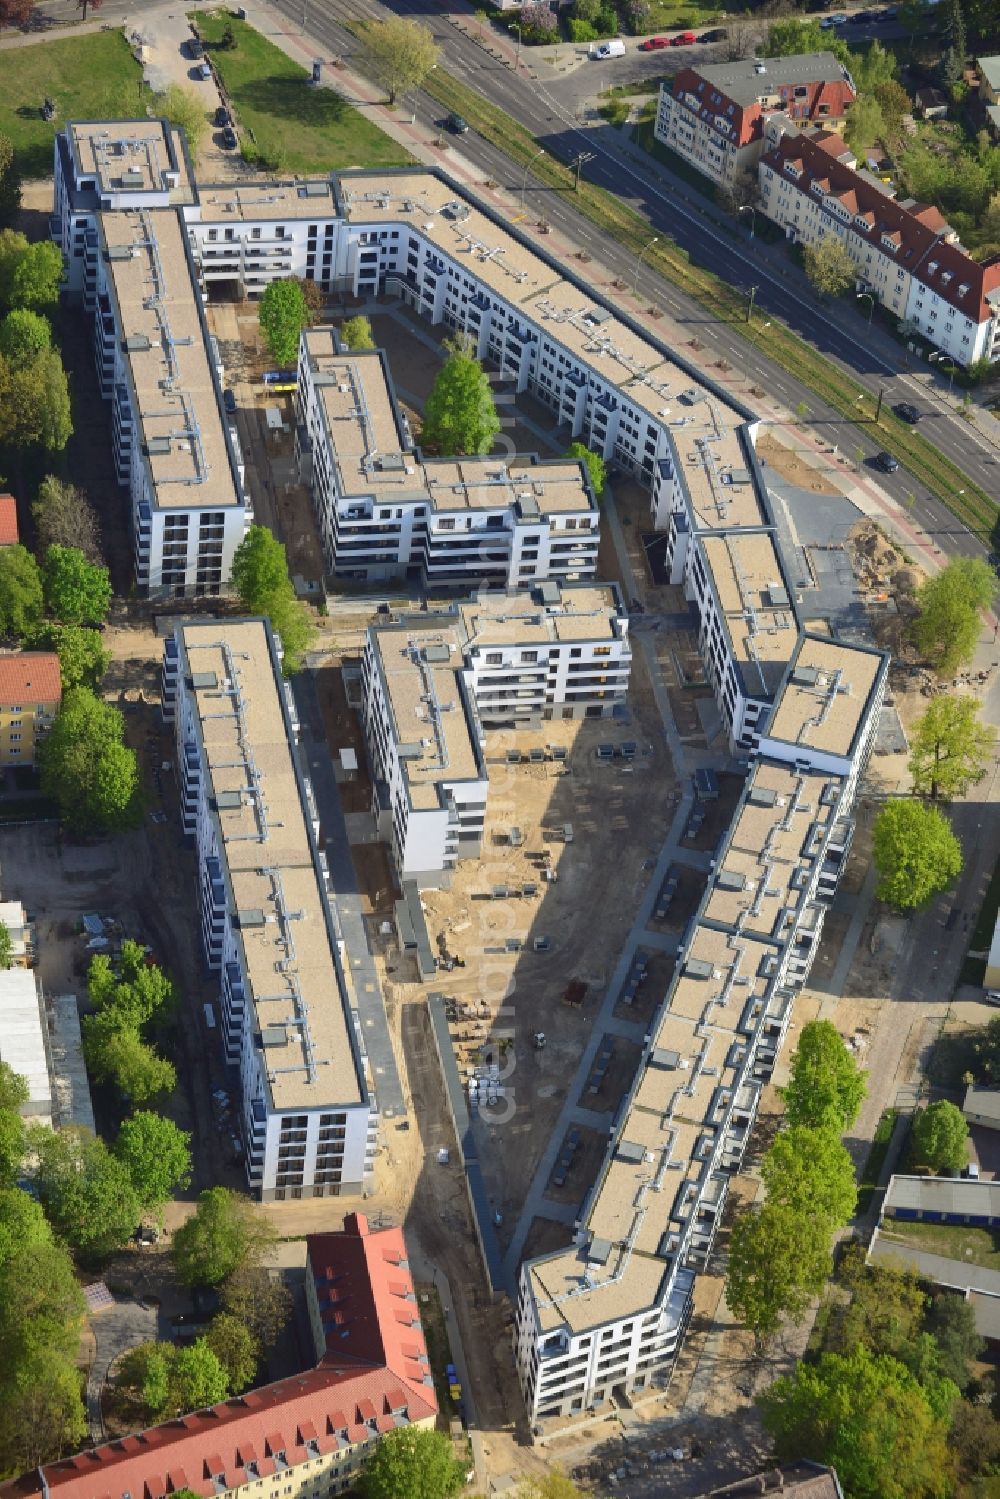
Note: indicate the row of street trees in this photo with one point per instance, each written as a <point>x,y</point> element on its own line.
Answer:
<point>34,393</point>
<point>127,1003</point>
<point>780,1253</point>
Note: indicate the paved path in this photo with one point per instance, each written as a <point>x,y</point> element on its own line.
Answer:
<point>116,1329</point>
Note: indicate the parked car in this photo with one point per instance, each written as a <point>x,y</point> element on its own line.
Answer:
<point>838,19</point>
<point>717,34</point>
<point>886,462</point>
<point>203,70</point>
<point>229,140</point>
<point>229,401</point>
<point>908,412</point>
<point>456,124</point>
<point>654,44</point>
<point>195,49</point>
<point>222,116</point>
<point>683,39</point>
<point>614,48</point>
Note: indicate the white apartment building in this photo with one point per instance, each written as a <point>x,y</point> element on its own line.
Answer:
<point>308,1116</point>
<point>425,748</point>
<point>604,1318</point>
<point>386,512</point>
<point>908,256</point>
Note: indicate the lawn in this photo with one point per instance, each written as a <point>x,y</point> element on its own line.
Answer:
<point>974,1246</point>
<point>675,15</point>
<point>876,1159</point>
<point>296,127</point>
<point>89,77</point>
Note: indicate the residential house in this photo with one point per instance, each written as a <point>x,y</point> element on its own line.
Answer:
<point>30,694</point>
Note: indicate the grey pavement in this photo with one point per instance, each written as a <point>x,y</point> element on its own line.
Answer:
<point>937,1267</point>
<point>849,946</point>
<point>347,902</point>
<point>116,1329</point>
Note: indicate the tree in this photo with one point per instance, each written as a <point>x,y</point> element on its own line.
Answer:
<point>34,403</point>
<point>86,766</point>
<point>37,276</point>
<point>313,295</point>
<point>10,182</point>
<point>412,1463</point>
<point>949,748</point>
<point>86,1192</point>
<point>76,591</point>
<point>23,336</point>
<point>867,1417</point>
<point>21,596</point>
<point>136,1069</point>
<point>825,1089</point>
<point>886,1307</point>
<point>789,36</point>
<point>975,1438</point>
<point>16,13</point>
<point>874,66</point>
<point>183,108</point>
<point>829,266</point>
<point>939,1136</point>
<point>156,1155</point>
<point>83,660</point>
<point>947,626</point>
<point>12,246</point>
<point>260,576</point>
<point>951,1322</point>
<point>779,1259</point>
<point>86,5</point>
<point>398,54</point>
<point>282,314</point>
<point>810,1171</point>
<point>233,1344</point>
<point>259,1300</point>
<point>13,1097</point>
<point>954,22</point>
<point>64,516</point>
<point>865,126</point>
<point>916,853</point>
<point>6,957</point>
<point>197,1378</point>
<point>144,1373</point>
<point>225,1233</point>
<point>738,192</point>
<point>594,464</point>
<point>356,333</point>
<point>460,416</point>
<point>41,1415</point>
<point>894,102</point>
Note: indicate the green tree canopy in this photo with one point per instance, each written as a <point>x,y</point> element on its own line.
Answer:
<point>233,1344</point>
<point>197,1378</point>
<point>86,766</point>
<point>260,576</point>
<point>37,276</point>
<point>356,333</point>
<point>76,591</point>
<point>398,54</point>
<point>260,1300</point>
<point>460,416</point>
<point>143,1373</point>
<point>829,265</point>
<point>13,1097</point>
<point>947,626</point>
<point>83,660</point>
<point>951,1322</point>
<point>887,1304</point>
<point>872,67</point>
<point>825,1089</point>
<point>86,1192</point>
<point>940,1133</point>
<point>34,403</point>
<point>156,1155</point>
<point>809,1170</point>
<point>65,517</point>
<point>865,126</point>
<point>225,1232</point>
<point>867,1417</point>
<point>916,853</point>
<point>10,182</point>
<point>282,313</point>
<point>21,596</point>
<point>185,109</point>
<point>163,1380</point>
<point>412,1463</point>
<point>790,36</point>
<point>595,465</point>
<point>6,952</point>
<point>23,336</point>
<point>41,1412</point>
<point>779,1259</point>
<point>136,1069</point>
<point>949,748</point>
<point>12,246</point>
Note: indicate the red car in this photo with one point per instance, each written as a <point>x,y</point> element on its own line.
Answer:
<point>653,44</point>
<point>683,39</point>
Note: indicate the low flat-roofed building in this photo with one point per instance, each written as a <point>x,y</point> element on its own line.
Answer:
<point>942,1199</point>
<point>991,978</point>
<point>24,1039</point>
<point>30,695</point>
<point>307,1118</point>
<point>982,1106</point>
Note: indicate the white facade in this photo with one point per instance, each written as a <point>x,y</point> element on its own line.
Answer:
<point>308,1120</point>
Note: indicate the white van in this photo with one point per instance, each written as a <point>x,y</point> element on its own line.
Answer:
<point>609,49</point>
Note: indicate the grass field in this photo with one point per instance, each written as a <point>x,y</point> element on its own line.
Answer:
<point>974,1246</point>
<point>89,77</point>
<point>296,127</point>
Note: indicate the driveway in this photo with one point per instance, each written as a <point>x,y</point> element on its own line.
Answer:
<point>167,37</point>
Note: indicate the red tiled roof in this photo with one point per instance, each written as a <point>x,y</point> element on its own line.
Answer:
<point>918,230</point>
<point>280,1418</point>
<point>824,99</point>
<point>30,677</point>
<point>8,520</point>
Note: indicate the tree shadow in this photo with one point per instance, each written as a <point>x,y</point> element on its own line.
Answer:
<point>292,99</point>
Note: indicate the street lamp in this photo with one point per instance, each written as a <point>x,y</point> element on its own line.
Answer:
<point>859,295</point>
<point>578,163</point>
<point>753,293</point>
<point>936,359</point>
<point>749,208</point>
<point>524,179</point>
<point>517,60</point>
<point>638,263</point>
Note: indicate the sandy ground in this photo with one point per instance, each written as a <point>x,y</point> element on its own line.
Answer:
<point>786,462</point>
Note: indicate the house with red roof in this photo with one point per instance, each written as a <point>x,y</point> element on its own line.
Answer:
<point>30,694</point>
<point>714,117</point>
<point>907,254</point>
<point>304,1436</point>
<point>9,535</point>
